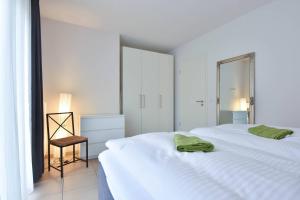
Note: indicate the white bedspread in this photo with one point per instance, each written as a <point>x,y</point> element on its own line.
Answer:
<point>243,166</point>
<point>119,180</point>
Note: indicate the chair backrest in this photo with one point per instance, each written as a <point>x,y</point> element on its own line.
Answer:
<point>67,115</point>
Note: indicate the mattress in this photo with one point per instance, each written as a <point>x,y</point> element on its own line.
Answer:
<point>242,166</point>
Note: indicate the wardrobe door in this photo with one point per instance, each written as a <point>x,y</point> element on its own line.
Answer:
<point>150,88</point>
<point>132,99</point>
<point>166,93</point>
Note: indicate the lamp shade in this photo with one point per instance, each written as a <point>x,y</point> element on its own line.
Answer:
<point>243,104</point>
<point>65,101</point>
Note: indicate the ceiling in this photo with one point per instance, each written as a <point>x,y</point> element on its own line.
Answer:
<point>160,25</point>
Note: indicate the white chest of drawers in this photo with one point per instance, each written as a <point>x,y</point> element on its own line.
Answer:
<point>99,129</point>
<point>240,117</point>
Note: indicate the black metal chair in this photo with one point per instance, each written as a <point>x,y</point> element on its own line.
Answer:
<point>64,142</point>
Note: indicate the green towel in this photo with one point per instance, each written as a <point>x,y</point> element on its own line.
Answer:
<point>191,144</point>
<point>270,132</point>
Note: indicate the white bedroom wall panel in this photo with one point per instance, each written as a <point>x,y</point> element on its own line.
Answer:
<point>148,97</point>
<point>272,32</point>
<point>84,62</point>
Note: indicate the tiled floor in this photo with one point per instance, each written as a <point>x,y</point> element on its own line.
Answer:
<point>80,183</point>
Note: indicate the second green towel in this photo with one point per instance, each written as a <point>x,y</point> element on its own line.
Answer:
<point>192,144</point>
<point>269,132</point>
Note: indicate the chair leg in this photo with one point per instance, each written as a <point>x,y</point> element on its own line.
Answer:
<point>48,156</point>
<point>61,163</point>
<point>73,152</point>
<point>87,153</point>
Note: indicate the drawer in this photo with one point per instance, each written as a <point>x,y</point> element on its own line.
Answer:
<point>240,118</point>
<point>94,150</point>
<point>100,123</point>
<point>102,135</point>
<point>240,115</point>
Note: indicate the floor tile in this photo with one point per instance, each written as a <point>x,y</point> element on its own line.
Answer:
<point>90,193</point>
<point>46,187</point>
<point>79,183</point>
<point>95,164</point>
<point>56,196</point>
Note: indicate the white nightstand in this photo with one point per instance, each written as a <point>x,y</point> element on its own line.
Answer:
<point>240,117</point>
<point>99,129</point>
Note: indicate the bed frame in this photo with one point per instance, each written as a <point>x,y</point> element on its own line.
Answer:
<point>103,189</point>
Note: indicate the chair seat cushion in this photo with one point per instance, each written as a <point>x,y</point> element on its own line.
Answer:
<point>67,141</point>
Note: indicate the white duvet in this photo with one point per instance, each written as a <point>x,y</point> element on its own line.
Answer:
<point>242,166</point>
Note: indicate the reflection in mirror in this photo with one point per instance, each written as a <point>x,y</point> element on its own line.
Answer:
<point>235,90</point>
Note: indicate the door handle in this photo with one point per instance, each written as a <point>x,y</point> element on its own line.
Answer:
<point>160,101</point>
<point>141,101</point>
<point>200,101</point>
<point>251,101</point>
<point>144,101</point>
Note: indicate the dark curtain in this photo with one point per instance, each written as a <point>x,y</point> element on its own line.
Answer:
<point>36,93</point>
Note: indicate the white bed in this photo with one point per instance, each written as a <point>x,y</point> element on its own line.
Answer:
<point>242,166</point>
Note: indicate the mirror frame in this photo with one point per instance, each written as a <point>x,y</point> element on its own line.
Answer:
<point>251,56</point>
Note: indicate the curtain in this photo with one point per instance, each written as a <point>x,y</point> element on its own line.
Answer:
<point>16,180</point>
<point>36,93</point>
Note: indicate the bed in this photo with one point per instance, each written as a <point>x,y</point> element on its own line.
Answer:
<point>242,166</point>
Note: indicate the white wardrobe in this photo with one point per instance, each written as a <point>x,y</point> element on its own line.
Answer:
<point>148,91</point>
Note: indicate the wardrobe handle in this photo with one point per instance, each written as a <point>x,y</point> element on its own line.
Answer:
<point>144,101</point>
<point>141,101</point>
<point>160,101</point>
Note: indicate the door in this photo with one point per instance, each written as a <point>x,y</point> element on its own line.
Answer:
<point>191,94</point>
<point>150,91</point>
<point>166,93</point>
<point>132,99</point>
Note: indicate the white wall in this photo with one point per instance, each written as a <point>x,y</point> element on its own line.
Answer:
<point>273,33</point>
<point>83,62</point>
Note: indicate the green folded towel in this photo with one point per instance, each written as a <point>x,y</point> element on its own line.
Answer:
<point>191,144</point>
<point>270,132</point>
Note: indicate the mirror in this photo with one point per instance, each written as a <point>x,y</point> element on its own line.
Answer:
<point>235,90</point>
